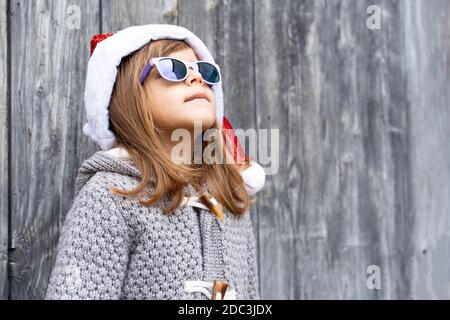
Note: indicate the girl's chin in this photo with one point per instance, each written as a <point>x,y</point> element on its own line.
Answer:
<point>203,114</point>
<point>205,122</point>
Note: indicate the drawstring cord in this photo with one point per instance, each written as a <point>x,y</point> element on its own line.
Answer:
<point>208,202</point>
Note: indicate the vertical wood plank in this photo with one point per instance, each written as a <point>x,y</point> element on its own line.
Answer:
<point>120,14</point>
<point>278,106</point>
<point>386,216</point>
<point>427,52</point>
<point>4,153</point>
<point>49,54</point>
<point>202,17</point>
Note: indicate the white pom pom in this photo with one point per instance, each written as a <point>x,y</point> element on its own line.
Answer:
<point>254,178</point>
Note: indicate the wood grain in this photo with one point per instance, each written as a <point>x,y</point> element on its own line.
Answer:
<point>120,14</point>
<point>47,81</point>
<point>4,152</point>
<point>350,107</point>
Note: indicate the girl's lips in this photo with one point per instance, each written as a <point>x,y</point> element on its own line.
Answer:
<point>198,95</point>
<point>198,99</point>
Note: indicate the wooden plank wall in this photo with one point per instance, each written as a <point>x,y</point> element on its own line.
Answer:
<point>363,117</point>
<point>4,183</point>
<point>47,144</point>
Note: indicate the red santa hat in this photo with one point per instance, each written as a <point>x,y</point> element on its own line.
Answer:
<point>107,51</point>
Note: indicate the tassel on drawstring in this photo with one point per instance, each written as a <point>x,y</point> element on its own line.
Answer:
<point>219,289</point>
<point>212,204</point>
<point>216,290</point>
<point>205,201</point>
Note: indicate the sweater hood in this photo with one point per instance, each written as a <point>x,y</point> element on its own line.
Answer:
<point>113,161</point>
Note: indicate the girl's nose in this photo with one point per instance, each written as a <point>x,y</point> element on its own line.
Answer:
<point>194,76</point>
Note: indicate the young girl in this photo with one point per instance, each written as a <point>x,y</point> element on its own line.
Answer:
<point>143,226</point>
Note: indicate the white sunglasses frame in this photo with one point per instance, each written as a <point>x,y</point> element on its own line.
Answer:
<point>154,62</point>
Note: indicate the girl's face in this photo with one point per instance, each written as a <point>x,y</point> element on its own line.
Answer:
<point>170,108</point>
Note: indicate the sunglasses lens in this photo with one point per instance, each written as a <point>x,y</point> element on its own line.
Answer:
<point>172,69</point>
<point>209,72</point>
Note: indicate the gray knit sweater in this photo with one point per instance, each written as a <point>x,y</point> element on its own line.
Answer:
<point>111,247</point>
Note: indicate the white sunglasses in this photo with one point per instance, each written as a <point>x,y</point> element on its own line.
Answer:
<point>176,70</point>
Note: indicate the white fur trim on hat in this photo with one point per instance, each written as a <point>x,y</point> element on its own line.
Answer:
<point>102,71</point>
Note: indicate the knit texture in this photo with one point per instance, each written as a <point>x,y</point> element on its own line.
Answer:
<point>112,247</point>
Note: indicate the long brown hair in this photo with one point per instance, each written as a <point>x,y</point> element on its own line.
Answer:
<point>137,132</point>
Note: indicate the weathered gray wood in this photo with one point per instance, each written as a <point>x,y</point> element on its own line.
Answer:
<point>320,219</point>
<point>4,151</point>
<point>120,14</point>
<point>277,101</point>
<point>427,51</point>
<point>202,17</point>
<point>354,186</point>
<point>49,60</point>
